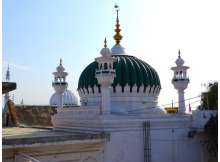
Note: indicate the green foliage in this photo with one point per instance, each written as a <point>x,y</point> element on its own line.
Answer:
<point>210,98</point>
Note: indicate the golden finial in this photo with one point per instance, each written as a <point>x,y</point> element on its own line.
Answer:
<point>117,36</point>
<point>105,43</point>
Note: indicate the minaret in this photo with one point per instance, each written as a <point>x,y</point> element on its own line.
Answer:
<point>59,84</point>
<point>105,75</point>
<point>7,75</point>
<point>7,78</point>
<point>180,82</point>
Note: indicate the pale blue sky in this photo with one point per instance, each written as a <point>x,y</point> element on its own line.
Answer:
<point>37,33</point>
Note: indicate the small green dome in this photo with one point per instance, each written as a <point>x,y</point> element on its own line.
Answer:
<point>129,71</point>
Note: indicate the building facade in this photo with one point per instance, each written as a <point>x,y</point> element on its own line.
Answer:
<point>118,120</point>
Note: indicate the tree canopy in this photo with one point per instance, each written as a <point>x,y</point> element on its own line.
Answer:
<point>210,98</point>
<point>211,130</point>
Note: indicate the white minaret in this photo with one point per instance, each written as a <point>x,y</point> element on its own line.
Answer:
<point>105,75</point>
<point>180,82</point>
<point>59,84</point>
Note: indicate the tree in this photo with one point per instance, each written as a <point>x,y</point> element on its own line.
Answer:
<point>210,102</point>
<point>210,98</point>
<point>211,130</point>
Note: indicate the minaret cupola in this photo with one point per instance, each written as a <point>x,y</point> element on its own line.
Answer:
<point>59,84</point>
<point>180,81</point>
<point>62,96</point>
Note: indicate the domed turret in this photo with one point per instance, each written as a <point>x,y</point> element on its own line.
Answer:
<point>62,96</point>
<point>60,68</point>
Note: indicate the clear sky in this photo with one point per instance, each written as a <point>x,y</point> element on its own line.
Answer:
<point>37,33</point>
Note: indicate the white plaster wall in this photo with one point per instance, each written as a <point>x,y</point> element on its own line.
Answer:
<point>173,145</point>
<point>169,135</point>
<point>126,146</point>
<point>167,145</point>
<point>124,103</point>
<point>129,104</point>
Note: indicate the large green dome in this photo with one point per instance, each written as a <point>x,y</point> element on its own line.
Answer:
<point>129,71</point>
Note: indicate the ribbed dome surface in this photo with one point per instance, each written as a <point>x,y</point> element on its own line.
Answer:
<point>69,99</point>
<point>129,70</point>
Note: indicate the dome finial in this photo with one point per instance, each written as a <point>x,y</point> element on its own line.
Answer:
<point>117,36</point>
<point>60,68</point>
<point>105,43</point>
<point>105,51</point>
<point>8,74</point>
<point>179,53</point>
<point>61,61</point>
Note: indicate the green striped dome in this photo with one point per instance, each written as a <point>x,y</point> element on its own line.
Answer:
<point>129,71</point>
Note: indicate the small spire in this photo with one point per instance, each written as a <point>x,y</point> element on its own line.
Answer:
<point>8,74</point>
<point>179,53</point>
<point>105,51</point>
<point>105,43</point>
<point>117,36</point>
<point>22,101</point>
<point>61,61</point>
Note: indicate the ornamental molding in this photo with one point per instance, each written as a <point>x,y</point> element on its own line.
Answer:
<point>119,90</point>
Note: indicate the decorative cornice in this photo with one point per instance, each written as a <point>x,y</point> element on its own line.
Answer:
<point>94,91</point>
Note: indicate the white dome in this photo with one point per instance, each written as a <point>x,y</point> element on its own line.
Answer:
<point>105,52</point>
<point>117,50</point>
<point>60,68</point>
<point>69,99</point>
<point>179,61</point>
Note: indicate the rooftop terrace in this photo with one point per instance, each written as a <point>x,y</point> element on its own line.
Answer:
<point>15,136</point>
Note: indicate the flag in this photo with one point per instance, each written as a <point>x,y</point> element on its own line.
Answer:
<point>190,108</point>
